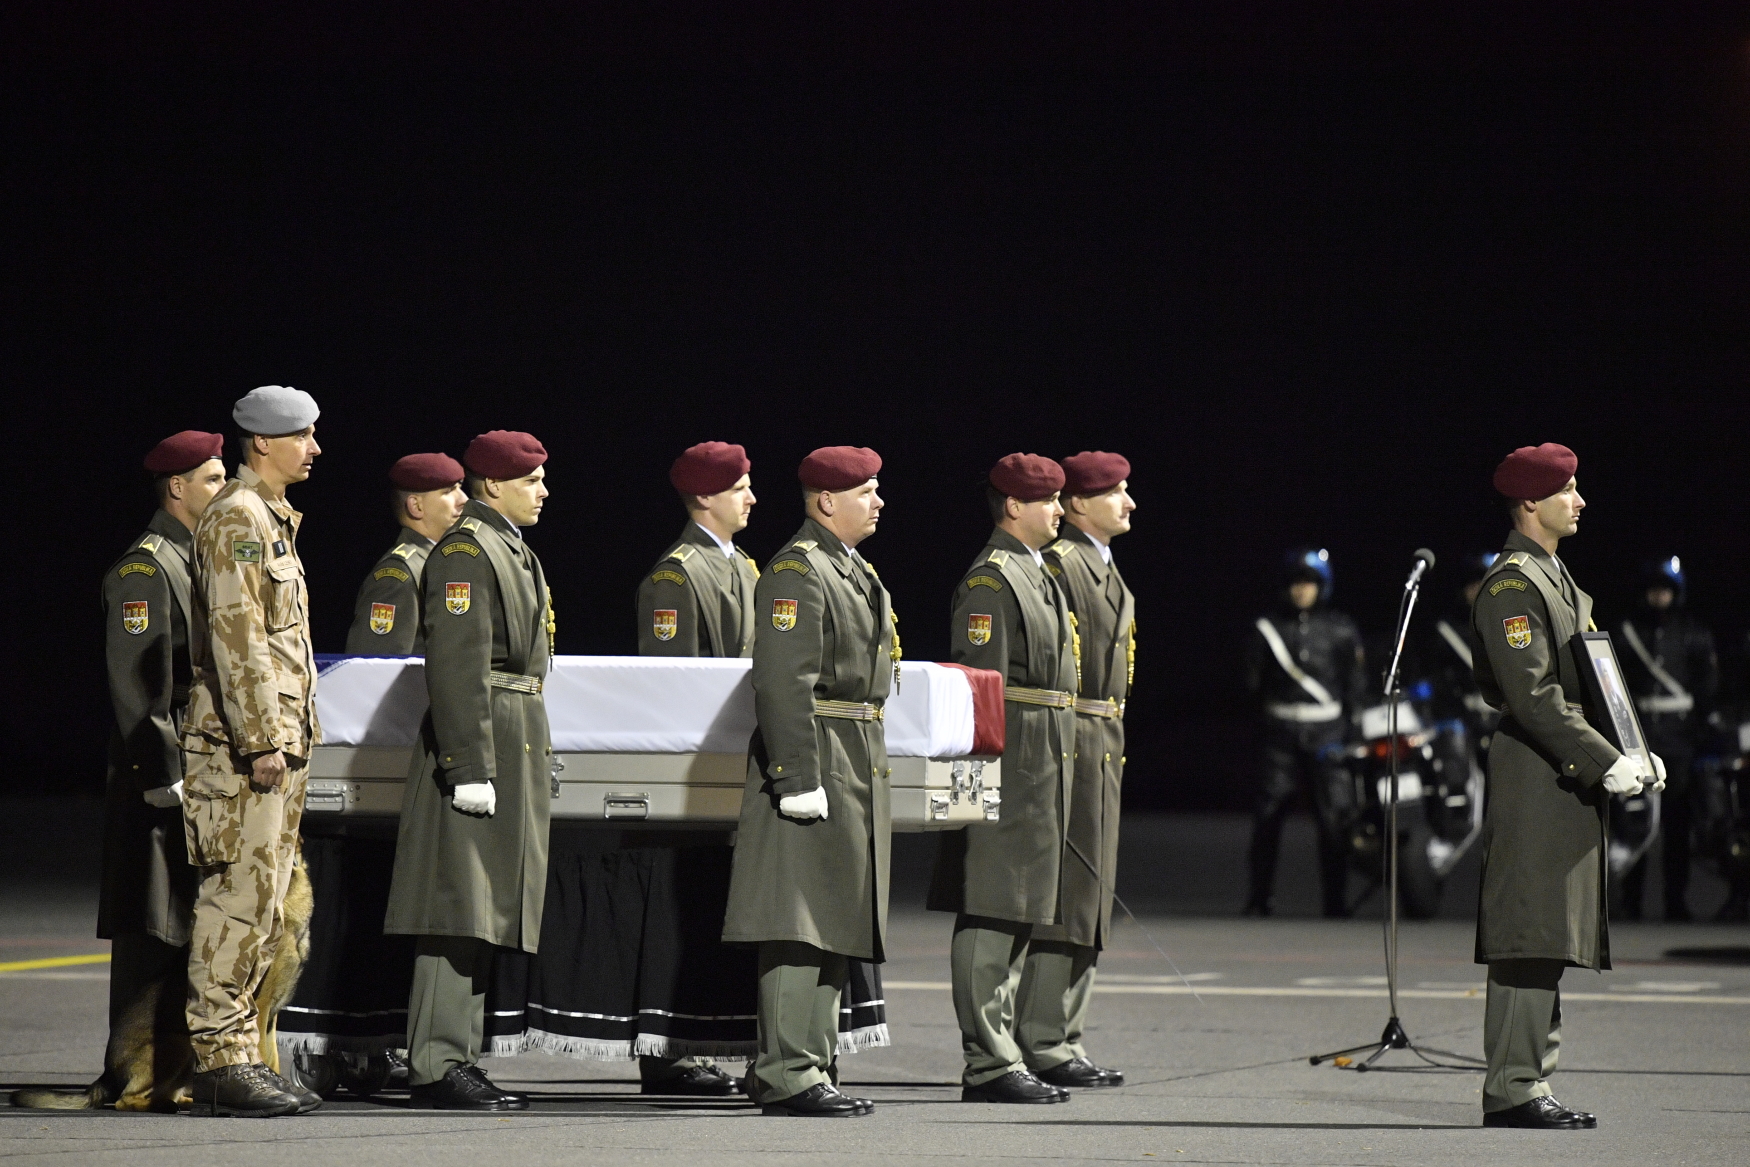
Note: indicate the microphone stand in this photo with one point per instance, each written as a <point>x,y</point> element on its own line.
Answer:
<point>1394,1035</point>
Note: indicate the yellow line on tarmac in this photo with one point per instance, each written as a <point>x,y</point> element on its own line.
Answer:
<point>53,962</point>
<point>1416,994</point>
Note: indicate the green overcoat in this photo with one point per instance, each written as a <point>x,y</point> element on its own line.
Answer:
<point>487,623</point>
<point>825,633</point>
<point>697,601</point>
<point>1544,831</point>
<point>148,885</point>
<point>385,616</point>
<point>1010,616</point>
<point>1105,612</point>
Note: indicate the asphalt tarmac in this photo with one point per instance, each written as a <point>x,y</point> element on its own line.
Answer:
<point>1216,1059</point>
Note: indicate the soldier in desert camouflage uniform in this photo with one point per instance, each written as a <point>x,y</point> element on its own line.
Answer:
<point>247,737</point>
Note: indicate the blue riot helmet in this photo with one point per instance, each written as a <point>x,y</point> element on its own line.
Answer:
<point>1477,565</point>
<point>1666,573</point>
<point>1310,565</point>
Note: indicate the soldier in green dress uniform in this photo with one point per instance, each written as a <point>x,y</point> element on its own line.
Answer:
<point>1058,981</point>
<point>1543,904</point>
<point>809,885</point>
<point>146,903</point>
<point>471,856</point>
<point>1004,879</point>
<point>426,494</point>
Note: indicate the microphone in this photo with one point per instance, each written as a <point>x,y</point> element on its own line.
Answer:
<point>1424,563</point>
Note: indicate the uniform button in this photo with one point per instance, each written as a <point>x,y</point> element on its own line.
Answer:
<point>1121,761</point>
<point>525,747</point>
<point>890,771</point>
<point>777,769</point>
<point>136,767</point>
<point>1108,757</point>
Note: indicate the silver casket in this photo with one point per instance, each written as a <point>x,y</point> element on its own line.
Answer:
<point>648,739</point>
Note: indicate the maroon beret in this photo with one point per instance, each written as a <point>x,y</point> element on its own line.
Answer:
<point>1094,472</point>
<point>709,468</point>
<point>504,454</point>
<point>184,451</point>
<point>839,467</point>
<point>422,472</point>
<point>1027,477</point>
<point>1534,472</point>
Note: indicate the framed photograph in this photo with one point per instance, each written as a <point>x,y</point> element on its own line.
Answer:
<point>1608,705</point>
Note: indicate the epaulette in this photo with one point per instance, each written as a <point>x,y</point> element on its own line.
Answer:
<point>1517,559</point>
<point>469,524</point>
<point>1060,548</point>
<point>405,550</point>
<point>998,557</point>
<point>806,544</point>
<point>150,542</point>
<point>682,553</point>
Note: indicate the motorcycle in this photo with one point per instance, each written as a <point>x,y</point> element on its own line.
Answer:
<point>1440,799</point>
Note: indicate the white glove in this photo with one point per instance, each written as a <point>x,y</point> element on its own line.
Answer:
<point>475,798</point>
<point>163,797</point>
<point>1623,777</point>
<point>1659,776</point>
<point>804,806</point>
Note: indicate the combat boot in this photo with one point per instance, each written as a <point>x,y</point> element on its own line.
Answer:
<point>245,1091</point>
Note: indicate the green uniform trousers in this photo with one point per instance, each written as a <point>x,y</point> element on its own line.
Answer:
<point>1051,1006</point>
<point>446,1011</point>
<point>800,987</point>
<point>1522,1031</point>
<point>239,910</point>
<point>986,962</point>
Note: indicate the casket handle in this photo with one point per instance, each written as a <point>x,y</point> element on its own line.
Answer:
<point>626,805</point>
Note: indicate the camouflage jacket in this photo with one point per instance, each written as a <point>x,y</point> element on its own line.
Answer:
<point>254,678</point>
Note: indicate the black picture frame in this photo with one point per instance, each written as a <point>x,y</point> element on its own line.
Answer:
<point>1610,709</point>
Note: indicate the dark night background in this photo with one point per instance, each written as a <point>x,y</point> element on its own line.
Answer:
<point>1312,267</point>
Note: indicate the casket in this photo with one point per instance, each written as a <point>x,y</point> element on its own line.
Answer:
<point>660,740</point>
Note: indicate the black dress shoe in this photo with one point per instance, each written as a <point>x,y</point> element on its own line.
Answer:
<point>308,1099</point>
<point>1014,1086</point>
<point>1080,1072</point>
<point>1541,1114</point>
<point>245,1091</point>
<point>818,1101</point>
<point>696,1082</point>
<point>465,1088</point>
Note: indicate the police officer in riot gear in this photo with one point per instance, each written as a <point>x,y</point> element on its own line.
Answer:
<point>1306,671</point>
<point>1669,662</point>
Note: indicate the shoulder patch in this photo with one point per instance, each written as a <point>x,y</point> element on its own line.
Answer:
<point>469,524</point>
<point>245,551</point>
<point>673,577</point>
<point>985,581</point>
<point>1060,548</point>
<point>151,542</point>
<point>392,573</point>
<point>1502,585</point>
<point>128,569</point>
<point>795,565</point>
<point>999,557</point>
<point>452,548</point>
<point>405,550</point>
<point>1518,629</point>
<point>683,553</point>
<point>806,544</point>
<point>1518,559</point>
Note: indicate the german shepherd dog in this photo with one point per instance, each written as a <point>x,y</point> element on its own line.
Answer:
<point>149,1063</point>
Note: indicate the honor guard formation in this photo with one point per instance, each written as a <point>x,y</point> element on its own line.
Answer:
<point>241,930</point>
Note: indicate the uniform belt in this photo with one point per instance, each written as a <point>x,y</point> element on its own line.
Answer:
<point>1051,698</point>
<point>1304,711</point>
<point>849,710</point>
<point>516,682</point>
<point>1665,703</point>
<point>1102,707</point>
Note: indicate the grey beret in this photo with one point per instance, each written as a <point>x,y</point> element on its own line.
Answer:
<point>275,409</point>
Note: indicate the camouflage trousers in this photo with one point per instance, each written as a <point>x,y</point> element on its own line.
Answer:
<point>244,843</point>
